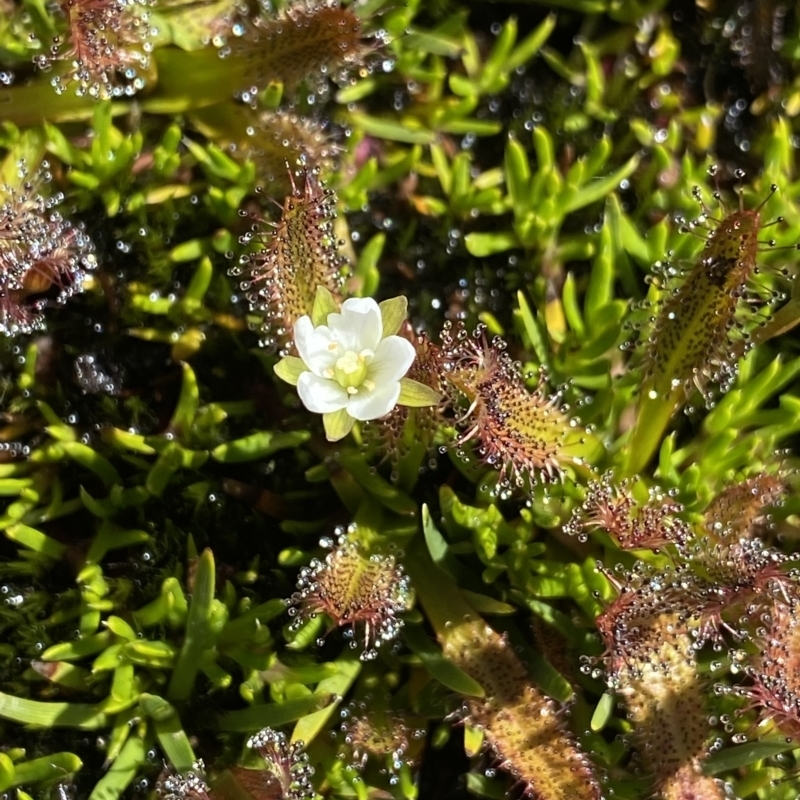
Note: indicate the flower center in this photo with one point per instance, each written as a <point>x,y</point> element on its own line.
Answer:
<point>350,371</point>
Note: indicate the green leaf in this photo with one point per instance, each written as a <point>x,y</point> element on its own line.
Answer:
<point>481,786</point>
<point>481,245</point>
<point>273,715</point>
<point>348,669</point>
<point>603,711</point>
<point>259,445</point>
<point>290,368</point>
<point>122,771</point>
<point>36,541</point>
<point>92,460</point>
<point>518,174</point>
<point>531,44</point>
<point>188,401</point>
<point>6,772</point>
<point>51,715</point>
<point>733,758</point>
<point>200,633</point>
<point>54,767</point>
<point>488,605</point>
<point>397,131</point>
<point>377,486</point>
<point>437,546</point>
<point>598,189</point>
<point>171,736</point>
<point>367,267</point>
<point>445,671</point>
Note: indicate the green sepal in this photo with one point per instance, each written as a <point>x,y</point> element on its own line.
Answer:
<point>337,424</point>
<point>324,304</point>
<point>416,394</point>
<point>290,368</point>
<point>393,314</point>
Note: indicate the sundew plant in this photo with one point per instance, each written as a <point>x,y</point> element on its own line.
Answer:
<point>399,400</point>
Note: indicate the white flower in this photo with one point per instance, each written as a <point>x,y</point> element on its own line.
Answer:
<point>353,367</point>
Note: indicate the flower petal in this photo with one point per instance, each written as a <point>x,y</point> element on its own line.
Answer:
<point>337,425</point>
<point>417,395</point>
<point>320,395</point>
<point>314,345</point>
<point>377,403</point>
<point>290,368</point>
<point>359,326</point>
<point>393,357</point>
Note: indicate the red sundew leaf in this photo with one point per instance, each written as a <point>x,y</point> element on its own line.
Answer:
<point>300,253</point>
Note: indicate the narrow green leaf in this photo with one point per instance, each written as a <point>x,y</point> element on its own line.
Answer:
<point>274,715</point>
<point>598,189</point>
<point>733,758</point>
<point>256,446</point>
<point>518,173</point>
<point>440,668</point>
<point>198,630</point>
<point>367,267</point>
<point>122,771</point>
<point>92,460</point>
<point>388,494</point>
<point>481,245</point>
<point>488,605</point>
<point>384,128</point>
<point>348,668</point>
<point>531,44</point>
<point>6,772</point>
<point>54,767</point>
<point>481,786</point>
<point>51,715</point>
<point>36,541</point>
<point>188,401</point>
<point>603,711</point>
<point>169,732</point>
<point>437,546</point>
